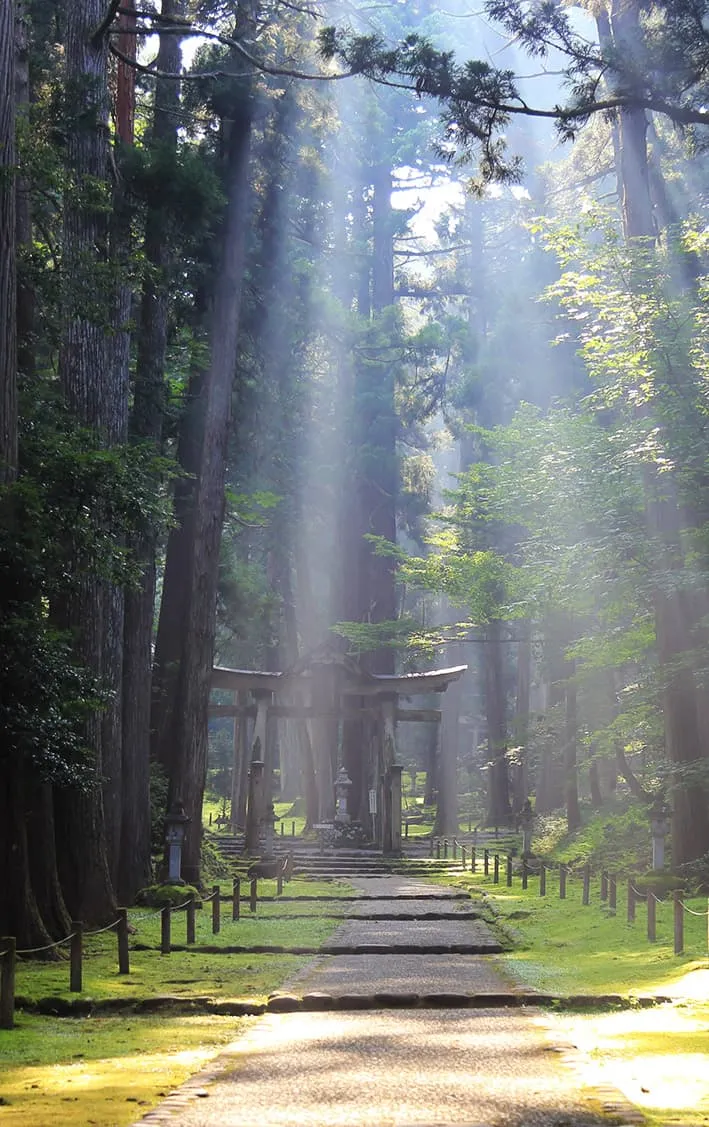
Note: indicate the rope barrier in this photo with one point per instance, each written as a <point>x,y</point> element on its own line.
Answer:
<point>100,930</point>
<point>49,946</point>
<point>691,911</point>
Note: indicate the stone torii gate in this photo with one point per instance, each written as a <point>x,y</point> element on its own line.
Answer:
<point>329,688</point>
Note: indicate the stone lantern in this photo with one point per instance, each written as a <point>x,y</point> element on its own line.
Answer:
<point>176,822</point>
<point>342,785</point>
<point>659,826</point>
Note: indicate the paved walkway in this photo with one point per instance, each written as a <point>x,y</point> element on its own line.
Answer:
<point>389,1067</point>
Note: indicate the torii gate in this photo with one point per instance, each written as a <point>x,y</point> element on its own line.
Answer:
<point>326,681</point>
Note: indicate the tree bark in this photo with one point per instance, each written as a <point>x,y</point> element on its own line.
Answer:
<point>498,809</point>
<point>185,667</point>
<point>146,425</point>
<point>86,377</point>
<point>8,255</point>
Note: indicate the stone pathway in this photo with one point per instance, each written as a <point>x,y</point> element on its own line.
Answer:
<point>391,1067</point>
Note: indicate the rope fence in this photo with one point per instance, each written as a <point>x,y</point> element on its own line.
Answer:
<point>607,894</point>
<point>9,952</point>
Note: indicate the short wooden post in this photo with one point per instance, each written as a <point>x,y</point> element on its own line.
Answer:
<point>438,848</point>
<point>496,869</point>
<point>604,885</point>
<point>165,925</point>
<point>562,881</point>
<point>253,894</point>
<point>586,894</point>
<point>191,919</point>
<point>283,828</point>
<point>525,872</point>
<point>651,916</point>
<point>472,859</point>
<point>406,829</point>
<point>279,879</point>
<point>292,829</point>
<point>445,848</point>
<point>122,934</point>
<point>8,959</point>
<point>543,880</point>
<point>216,909</point>
<point>678,912</point>
<point>486,862</point>
<point>631,903</point>
<point>509,872</point>
<point>76,948</point>
<point>463,855</point>
<point>612,891</point>
<point>236,898</point>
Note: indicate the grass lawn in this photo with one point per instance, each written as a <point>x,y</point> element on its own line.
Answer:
<point>105,1071</point>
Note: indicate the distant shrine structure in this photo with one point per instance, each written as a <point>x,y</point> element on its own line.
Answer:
<point>340,706</point>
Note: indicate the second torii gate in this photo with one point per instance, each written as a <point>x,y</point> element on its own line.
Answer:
<point>335,688</point>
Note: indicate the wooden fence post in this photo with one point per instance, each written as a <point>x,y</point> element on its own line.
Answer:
<point>612,891</point>
<point>496,869</point>
<point>509,872</point>
<point>463,855</point>
<point>122,934</point>
<point>525,872</point>
<point>279,879</point>
<point>236,898</point>
<point>678,912</point>
<point>253,894</point>
<point>165,925</point>
<point>631,902</point>
<point>472,859</point>
<point>543,880</point>
<point>216,909</point>
<point>586,894</point>
<point>651,916</point>
<point>562,881</point>
<point>604,885</point>
<point>190,918</point>
<point>8,958</point>
<point>438,848</point>
<point>76,947</point>
<point>486,862</point>
<point>292,829</point>
<point>445,848</point>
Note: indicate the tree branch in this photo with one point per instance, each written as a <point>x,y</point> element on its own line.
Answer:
<point>106,22</point>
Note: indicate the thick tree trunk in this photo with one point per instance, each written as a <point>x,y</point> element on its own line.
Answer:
<point>498,808</point>
<point>8,259</point>
<point>571,785</point>
<point>19,912</point>
<point>446,821</point>
<point>185,668</point>
<point>520,780</point>
<point>146,425</point>
<point>86,377</point>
